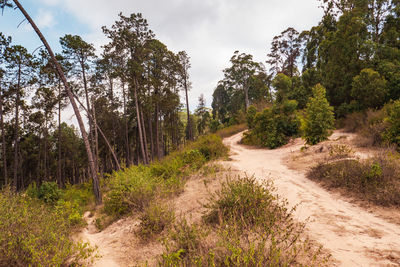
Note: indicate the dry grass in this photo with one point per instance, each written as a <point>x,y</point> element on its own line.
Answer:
<point>376,179</point>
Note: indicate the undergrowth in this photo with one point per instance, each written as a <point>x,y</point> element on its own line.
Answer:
<point>34,233</point>
<point>133,189</point>
<point>376,179</point>
<point>245,224</point>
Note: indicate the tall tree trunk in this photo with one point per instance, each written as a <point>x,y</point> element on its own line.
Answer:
<point>96,184</point>
<point>246,97</point>
<point>59,179</point>
<point>139,124</point>
<point>127,155</point>
<point>16,126</point>
<point>144,136</point>
<point>90,118</point>
<point>151,139</point>
<point>95,137</point>
<point>45,149</point>
<point>188,126</point>
<point>3,137</point>
<point>157,117</point>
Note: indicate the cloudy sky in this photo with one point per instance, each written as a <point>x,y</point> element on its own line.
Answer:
<point>208,30</point>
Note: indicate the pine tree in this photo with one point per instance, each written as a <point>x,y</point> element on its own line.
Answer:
<point>319,119</point>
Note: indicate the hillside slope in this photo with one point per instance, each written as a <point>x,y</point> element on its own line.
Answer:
<point>352,235</point>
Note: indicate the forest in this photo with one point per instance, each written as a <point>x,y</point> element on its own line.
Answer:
<point>353,53</point>
<point>138,146</point>
<point>130,97</point>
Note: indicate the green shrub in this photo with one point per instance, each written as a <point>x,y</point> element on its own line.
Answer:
<point>133,189</point>
<point>392,134</point>
<point>130,189</point>
<point>246,225</point>
<point>214,126</point>
<point>47,191</point>
<point>155,218</point>
<point>35,234</point>
<point>251,113</point>
<point>369,89</point>
<point>274,126</point>
<point>318,119</point>
<point>211,147</point>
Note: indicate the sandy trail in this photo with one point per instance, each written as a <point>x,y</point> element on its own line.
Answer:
<point>352,235</point>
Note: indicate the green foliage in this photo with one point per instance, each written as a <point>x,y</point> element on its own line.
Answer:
<point>274,126</point>
<point>155,218</point>
<point>130,189</point>
<point>250,115</point>
<point>134,188</point>
<point>318,119</point>
<point>282,85</point>
<point>369,89</point>
<point>214,125</point>
<point>374,180</point>
<point>211,147</point>
<point>392,134</point>
<point>35,234</point>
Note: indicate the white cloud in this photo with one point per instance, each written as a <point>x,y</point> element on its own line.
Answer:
<point>45,19</point>
<point>209,30</point>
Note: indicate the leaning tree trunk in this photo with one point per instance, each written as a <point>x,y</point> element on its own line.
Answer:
<point>96,184</point>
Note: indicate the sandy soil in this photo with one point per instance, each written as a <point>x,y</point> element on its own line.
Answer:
<point>119,245</point>
<point>354,236</point>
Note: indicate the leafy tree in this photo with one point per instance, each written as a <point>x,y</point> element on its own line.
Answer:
<point>240,73</point>
<point>283,86</point>
<point>273,126</point>
<point>285,49</point>
<point>369,89</point>
<point>318,119</point>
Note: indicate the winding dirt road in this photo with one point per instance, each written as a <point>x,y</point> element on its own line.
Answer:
<point>351,234</point>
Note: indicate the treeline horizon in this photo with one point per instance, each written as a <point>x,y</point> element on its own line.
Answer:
<point>353,52</point>
<point>129,95</point>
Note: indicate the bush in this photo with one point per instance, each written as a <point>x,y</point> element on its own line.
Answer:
<point>375,180</point>
<point>251,113</point>
<point>211,147</point>
<point>274,126</point>
<point>133,189</point>
<point>154,220</point>
<point>35,234</point>
<point>48,192</point>
<point>318,119</point>
<point>392,134</point>
<point>246,225</point>
<point>369,89</point>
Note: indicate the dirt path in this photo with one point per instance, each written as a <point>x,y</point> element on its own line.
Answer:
<point>352,235</point>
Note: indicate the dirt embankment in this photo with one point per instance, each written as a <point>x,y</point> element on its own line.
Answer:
<point>353,235</point>
<point>119,245</point>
